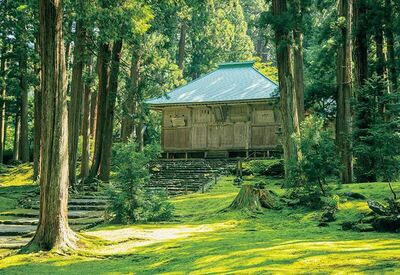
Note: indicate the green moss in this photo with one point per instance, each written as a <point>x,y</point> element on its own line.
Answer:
<point>204,240</point>
<point>17,176</point>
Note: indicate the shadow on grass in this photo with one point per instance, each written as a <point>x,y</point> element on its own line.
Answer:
<point>228,250</point>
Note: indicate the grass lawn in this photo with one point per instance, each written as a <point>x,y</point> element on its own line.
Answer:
<point>204,240</point>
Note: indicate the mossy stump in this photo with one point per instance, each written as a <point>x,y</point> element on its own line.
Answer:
<point>254,199</point>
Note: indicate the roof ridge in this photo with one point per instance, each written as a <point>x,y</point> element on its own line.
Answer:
<point>249,63</point>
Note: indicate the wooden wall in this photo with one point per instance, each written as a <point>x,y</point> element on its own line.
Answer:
<point>220,127</point>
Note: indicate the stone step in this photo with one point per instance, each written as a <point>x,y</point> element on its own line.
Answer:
<point>26,227</point>
<point>20,221</point>
<point>81,207</point>
<point>184,177</point>
<point>87,202</point>
<point>34,221</point>
<point>184,169</point>
<point>87,207</point>
<point>90,197</point>
<point>16,230</point>
<point>73,214</point>
<point>177,182</point>
<point>13,242</point>
<point>173,187</point>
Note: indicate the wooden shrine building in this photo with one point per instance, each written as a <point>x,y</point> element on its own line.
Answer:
<point>230,112</point>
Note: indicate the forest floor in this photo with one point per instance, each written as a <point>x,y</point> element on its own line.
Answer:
<point>204,240</point>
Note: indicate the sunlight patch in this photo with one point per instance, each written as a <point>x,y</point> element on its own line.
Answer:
<point>129,238</point>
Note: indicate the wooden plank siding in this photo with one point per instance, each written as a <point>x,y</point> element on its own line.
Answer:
<point>220,127</point>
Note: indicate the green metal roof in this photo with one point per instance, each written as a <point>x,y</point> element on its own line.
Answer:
<point>237,81</point>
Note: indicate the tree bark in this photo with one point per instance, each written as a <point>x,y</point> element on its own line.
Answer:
<point>363,120</point>
<point>286,86</point>
<point>86,127</point>
<point>254,199</point>
<point>182,45</point>
<point>93,113</point>
<point>392,60</point>
<point>102,99</point>
<point>299,73</point>
<point>360,42</point>
<point>16,147</point>
<point>2,102</point>
<point>53,231</point>
<point>140,126</point>
<point>130,105</point>
<point>74,115</point>
<point>24,131</point>
<point>380,56</point>
<point>298,61</point>
<point>37,119</point>
<point>37,132</point>
<point>105,163</point>
<point>344,92</point>
<point>380,65</point>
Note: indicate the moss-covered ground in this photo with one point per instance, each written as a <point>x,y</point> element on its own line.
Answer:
<point>202,239</point>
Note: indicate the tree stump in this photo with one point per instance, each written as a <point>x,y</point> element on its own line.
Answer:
<point>254,199</point>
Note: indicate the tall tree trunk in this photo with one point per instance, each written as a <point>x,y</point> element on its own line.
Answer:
<point>363,121</point>
<point>182,45</point>
<point>344,91</point>
<point>93,113</point>
<point>392,60</point>
<point>286,86</point>
<point>102,99</point>
<point>24,132</point>
<point>104,169</point>
<point>17,131</point>
<point>360,42</point>
<point>2,102</point>
<point>141,126</point>
<point>37,120</point>
<point>74,115</point>
<point>380,56</point>
<point>380,65</point>
<point>53,231</point>
<point>299,73</point>
<point>37,132</point>
<point>86,127</point>
<point>130,105</point>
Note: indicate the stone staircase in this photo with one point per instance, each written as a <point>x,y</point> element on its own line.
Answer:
<point>178,177</point>
<point>18,226</point>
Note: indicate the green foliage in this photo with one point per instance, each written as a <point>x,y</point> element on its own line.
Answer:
<point>318,160</point>
<point>377,133</point>
<point>331,202</point>
<point>267,167</point>
<point>130,203</point>
<point>267,69</point>
<point>218,34</point>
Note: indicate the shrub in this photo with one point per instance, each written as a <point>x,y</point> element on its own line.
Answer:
<point>318,161</point>
<point>267,167</point>
<point>130,203</point>
<point>377,133</point>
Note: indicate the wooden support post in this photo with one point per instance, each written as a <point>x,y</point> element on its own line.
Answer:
<point>239,169</point>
